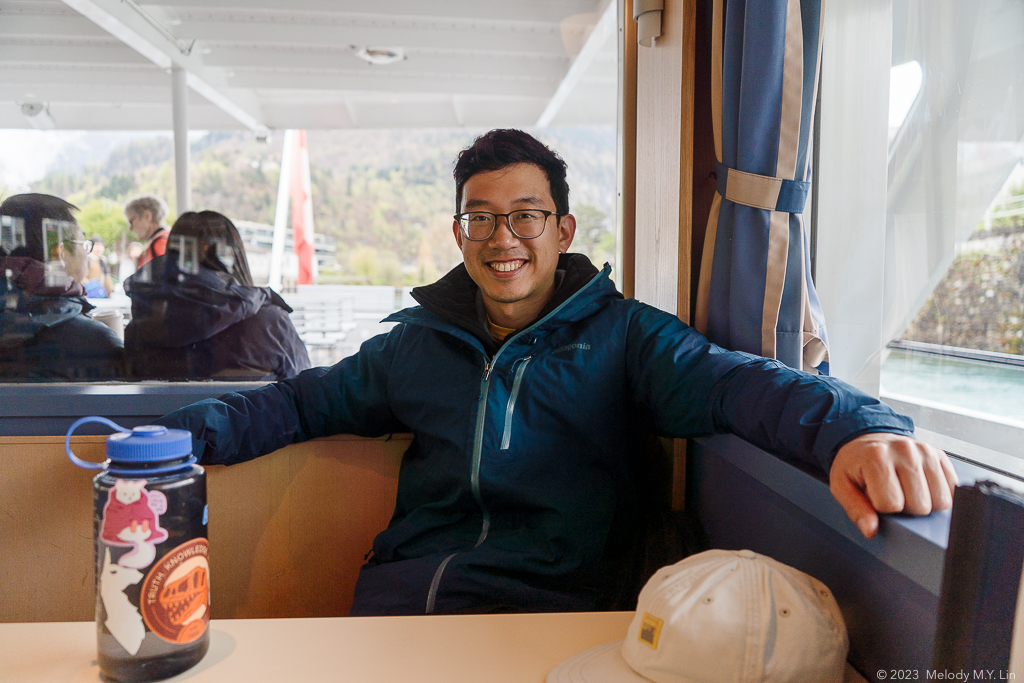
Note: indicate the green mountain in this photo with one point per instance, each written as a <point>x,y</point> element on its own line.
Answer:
<point>385,197</point>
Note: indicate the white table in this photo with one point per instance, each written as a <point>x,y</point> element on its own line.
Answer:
<point>518,648</point>
<point>493,648</point>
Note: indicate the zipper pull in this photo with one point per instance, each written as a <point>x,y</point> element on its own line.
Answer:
<point>487,372</point>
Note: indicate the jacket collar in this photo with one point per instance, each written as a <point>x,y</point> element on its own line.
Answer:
<point>455,299</point>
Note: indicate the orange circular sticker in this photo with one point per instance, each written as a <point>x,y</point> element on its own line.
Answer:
<point>176,593</point>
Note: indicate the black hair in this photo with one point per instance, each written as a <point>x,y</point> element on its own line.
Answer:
<point>505,147</point>
<point>207,227</point>
<point>33,208</point>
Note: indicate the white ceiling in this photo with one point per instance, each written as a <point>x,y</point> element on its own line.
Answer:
<point>104,64</point>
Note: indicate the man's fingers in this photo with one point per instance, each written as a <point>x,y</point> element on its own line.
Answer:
<point>857,506</point>
<point>910,468</point>
<point>883,486</point>
<point>942,480</point>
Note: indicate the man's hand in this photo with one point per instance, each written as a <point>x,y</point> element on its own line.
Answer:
<point>884,472</point>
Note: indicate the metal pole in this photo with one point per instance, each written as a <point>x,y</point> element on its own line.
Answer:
<point>179,107</point>
<point>281,214</point>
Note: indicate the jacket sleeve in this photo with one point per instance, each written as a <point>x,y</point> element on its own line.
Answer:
<point>691,387</point>
<point>349,398</point>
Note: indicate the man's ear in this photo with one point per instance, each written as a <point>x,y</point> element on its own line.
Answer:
<point>458,234</point>
<point>566,232</point>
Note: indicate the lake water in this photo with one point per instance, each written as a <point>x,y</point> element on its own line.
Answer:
<point>986,387</point>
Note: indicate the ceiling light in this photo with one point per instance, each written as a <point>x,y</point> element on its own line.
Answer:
<point>379,55</point>
<point>38,114</point>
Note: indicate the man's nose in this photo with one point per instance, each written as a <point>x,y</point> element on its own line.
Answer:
<point>503,234</point>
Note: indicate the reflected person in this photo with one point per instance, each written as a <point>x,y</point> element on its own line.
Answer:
<point>197,315</point>
<point>45,333</point>
<point>147,218</point>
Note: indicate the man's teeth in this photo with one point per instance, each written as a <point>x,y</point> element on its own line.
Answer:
<point>507,266</point>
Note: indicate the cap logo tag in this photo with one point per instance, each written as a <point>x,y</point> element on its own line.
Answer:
<point>650,629</point>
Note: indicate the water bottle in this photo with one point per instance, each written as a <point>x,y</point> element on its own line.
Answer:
<point>152,553</point>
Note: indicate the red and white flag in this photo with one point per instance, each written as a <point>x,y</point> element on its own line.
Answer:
<point>302,211</point>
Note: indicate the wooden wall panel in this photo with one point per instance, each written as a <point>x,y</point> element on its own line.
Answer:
<point>664,171</point>
<point>664,176</point>
<point>288,531</point>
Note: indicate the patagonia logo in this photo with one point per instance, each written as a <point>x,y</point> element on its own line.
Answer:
<point>572,347</point>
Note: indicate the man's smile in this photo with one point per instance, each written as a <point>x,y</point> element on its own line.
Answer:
<point>506,266</point>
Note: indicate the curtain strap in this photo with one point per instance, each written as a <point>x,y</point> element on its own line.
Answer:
<point>761,191</point>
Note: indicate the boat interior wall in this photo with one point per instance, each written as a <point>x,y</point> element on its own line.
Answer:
<point>288,532</point>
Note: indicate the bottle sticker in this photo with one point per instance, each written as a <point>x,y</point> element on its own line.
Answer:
<point>131,518</point>
<point>123,620</point>
<point>176,593</point>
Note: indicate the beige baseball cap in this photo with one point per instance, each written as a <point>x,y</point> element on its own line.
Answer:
<point>722,615</point>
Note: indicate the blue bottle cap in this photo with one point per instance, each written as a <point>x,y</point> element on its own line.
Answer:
<point>142,445</point>
<point>149,443</point>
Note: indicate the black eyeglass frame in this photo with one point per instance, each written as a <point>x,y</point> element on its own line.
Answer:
<point>460,218</point>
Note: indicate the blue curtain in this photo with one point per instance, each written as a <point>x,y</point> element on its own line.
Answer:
<point>755,292</point>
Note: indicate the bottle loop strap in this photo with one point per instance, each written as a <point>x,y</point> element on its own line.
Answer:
<point>67,441</point>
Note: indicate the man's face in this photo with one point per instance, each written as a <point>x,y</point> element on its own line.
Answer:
<point>516,276</point>
<point>142,224</point>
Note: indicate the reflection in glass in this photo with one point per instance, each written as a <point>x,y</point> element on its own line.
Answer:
<point>904,86</point>
<point>58,240</point>
<point>954,257</point>
<point>188,250</point>
<point>225,254</point>
<point>12,233</point>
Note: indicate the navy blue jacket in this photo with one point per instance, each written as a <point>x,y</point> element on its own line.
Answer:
<point>518,485</point>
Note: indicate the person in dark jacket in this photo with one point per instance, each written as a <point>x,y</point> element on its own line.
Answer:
<point>45,334</point>
<point>526,379</point>
<point>197,315</point>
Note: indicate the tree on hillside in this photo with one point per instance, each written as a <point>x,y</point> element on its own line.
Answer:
<point>105,218</point>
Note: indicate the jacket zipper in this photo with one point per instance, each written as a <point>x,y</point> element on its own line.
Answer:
<point>474,480</point>
<point>506,437</point>
<point>478,436</point>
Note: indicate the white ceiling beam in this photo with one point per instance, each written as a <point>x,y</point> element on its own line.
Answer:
<point>479,63</point>
<point>605,28</point>
<point>303,33</point>
<point>115,54</point>
<point>537,10</point>
<point>120,94</point>
<point>27,75</point>
<point>375,81</point>
<point>40,25</point>
<point>131,28</point>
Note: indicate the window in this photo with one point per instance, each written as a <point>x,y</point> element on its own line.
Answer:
<point>944,276</point>
<point>381,182</point>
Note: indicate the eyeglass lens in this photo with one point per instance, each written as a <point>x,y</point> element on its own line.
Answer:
<point>479,225</point>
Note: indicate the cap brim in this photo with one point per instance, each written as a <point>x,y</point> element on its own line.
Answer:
<point>600,664</point>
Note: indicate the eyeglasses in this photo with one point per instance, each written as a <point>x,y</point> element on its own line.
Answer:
<point>525,224</point>
<point>86,244</point>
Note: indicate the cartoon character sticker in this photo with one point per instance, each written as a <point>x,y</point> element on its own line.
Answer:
<point>131,518</point>
<point>123,619</point>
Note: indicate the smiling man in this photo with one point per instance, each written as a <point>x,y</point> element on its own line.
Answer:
<point>527,380</point>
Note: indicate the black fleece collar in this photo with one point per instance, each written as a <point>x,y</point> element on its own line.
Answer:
<point>457,299</point>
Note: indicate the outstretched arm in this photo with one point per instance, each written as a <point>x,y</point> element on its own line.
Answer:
<point>692,387</point>
<point>349,398</point>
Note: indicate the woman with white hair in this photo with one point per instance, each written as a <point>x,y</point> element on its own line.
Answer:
<point>147,218</point>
